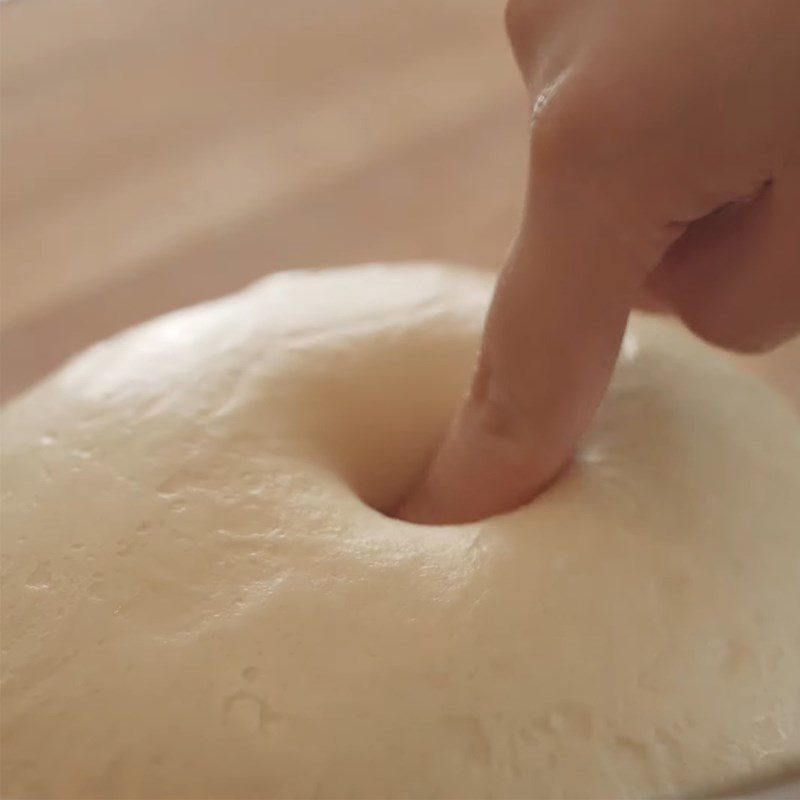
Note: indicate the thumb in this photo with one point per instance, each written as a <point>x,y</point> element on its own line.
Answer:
<point>549,345</point>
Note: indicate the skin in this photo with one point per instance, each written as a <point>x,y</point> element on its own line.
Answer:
<point>664,170</point>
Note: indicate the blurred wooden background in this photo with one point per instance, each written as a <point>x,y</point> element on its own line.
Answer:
<point>160,152</point>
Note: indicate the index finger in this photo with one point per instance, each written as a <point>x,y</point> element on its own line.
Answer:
<point>549,346</point>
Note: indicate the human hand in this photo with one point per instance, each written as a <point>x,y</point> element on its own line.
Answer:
<point>664,163</point>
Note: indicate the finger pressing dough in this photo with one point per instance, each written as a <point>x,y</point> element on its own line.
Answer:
<point>200,601</point>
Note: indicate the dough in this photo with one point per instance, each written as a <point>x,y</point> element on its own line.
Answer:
<point>199,600</point>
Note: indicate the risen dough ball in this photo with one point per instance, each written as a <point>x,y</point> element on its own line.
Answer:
<point>200,601</point>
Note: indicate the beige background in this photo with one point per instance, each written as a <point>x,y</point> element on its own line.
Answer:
<point>159,152</point>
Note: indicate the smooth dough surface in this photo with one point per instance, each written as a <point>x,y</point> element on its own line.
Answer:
<point>198,603</point>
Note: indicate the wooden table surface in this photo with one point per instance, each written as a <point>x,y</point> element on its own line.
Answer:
<point>159,152</point>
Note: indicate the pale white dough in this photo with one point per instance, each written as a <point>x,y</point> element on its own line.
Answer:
<point>197,602</point>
